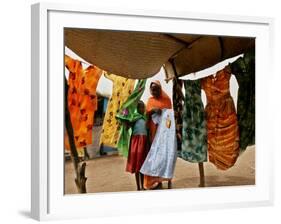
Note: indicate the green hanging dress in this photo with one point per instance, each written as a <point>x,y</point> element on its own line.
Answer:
<point>194,132</point>
<point>244,70</point>
<point>128,114</point>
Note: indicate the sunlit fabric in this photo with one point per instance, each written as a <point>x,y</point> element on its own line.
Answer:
<point>222,123</point>
<point>122,88</point>
<point>82,100</point>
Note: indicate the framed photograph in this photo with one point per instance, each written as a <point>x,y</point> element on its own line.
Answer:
<point>148,111</point>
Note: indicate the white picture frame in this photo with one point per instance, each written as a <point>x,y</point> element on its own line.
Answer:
<point>48,201</point>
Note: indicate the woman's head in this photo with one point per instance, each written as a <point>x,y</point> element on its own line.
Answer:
<point>141,107</point>
<point>155,89</point>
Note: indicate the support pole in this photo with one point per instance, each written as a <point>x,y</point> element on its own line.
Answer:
<point>202,176</point>
<point>80,179</point>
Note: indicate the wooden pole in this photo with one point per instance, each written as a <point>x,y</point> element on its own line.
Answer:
<point>202,176</point>
<point>80,179</point>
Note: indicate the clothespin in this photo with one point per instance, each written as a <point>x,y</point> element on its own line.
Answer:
<point>168,79</point>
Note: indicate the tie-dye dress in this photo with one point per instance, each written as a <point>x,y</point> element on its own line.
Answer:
<point>222,123</point>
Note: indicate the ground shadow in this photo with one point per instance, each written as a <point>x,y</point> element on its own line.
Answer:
<point>214,181</point>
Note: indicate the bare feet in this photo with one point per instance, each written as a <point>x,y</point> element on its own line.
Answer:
<point>156,186</point>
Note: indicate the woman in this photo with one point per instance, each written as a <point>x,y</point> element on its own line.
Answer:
<point>158,101</point>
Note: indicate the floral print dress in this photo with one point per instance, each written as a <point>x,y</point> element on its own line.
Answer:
<point>122,88</point>
<point>82,100</point>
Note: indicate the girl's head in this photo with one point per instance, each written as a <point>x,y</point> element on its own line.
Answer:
<point>141,107</point>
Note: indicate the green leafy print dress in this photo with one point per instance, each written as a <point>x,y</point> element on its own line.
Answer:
<point>194,133</point>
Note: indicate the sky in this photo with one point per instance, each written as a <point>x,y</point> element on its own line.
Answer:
<point>105,86</point>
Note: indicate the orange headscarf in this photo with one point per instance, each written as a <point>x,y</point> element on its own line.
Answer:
<point>162,102</point>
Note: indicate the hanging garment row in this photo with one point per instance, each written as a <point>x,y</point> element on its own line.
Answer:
<point>82,103</point>
<point>218,130</point>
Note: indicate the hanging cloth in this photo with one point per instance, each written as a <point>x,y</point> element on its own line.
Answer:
<point>128,113</point>
<point>178,99</point>
<point>82,100</point>
<point>244,70</point>
<point>161,158</point>
<point>122,89</point>
<point>222,123</point>
<point>194,132</point>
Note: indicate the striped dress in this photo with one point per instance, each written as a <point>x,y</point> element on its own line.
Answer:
<point>222,124</point>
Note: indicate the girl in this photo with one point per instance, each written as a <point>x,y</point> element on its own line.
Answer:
<point>138,146</point>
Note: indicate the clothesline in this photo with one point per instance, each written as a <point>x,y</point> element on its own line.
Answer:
<point>193,76</point>
<point>73,55</point>
<point>210,71</point>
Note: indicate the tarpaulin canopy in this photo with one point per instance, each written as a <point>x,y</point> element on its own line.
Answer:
<point>142,54</point>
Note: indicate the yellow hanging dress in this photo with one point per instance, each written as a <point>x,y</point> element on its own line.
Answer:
<point>122,88</point>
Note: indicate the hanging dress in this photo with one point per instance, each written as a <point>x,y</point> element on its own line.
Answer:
<point>178,99</point>
<point>194,133</point>
<point>244,70</point>
<point>122,88</point>
<point>222,123</point>
<point>82,101</point>
<point>161,158</point>
<point>128,113</point>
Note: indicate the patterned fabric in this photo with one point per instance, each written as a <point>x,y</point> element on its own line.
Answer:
<point>82,100</point>
<point>128,113</point>
<point>161,159</point>
<point>194,133</point>
<point>122,88</point>
<point>244,70</point>
<point>222,123</point>
<point>178,99</point>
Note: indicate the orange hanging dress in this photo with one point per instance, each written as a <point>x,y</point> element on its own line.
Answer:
<point>222,123</point>
<point>82,100</point>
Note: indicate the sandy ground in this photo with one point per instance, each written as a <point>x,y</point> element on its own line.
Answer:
<point>107,174</point>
